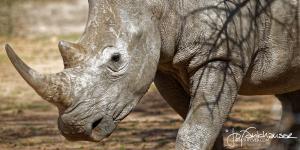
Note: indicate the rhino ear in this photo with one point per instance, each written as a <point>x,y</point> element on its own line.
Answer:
<point>71,53</point>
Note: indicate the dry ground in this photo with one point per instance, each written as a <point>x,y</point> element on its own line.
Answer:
<point>27,122</point>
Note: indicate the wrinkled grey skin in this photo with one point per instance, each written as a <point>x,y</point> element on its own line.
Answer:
<point>199,53</point>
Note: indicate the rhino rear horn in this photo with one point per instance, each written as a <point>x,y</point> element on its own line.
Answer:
<point>52,87</point>
<point>71,53</point>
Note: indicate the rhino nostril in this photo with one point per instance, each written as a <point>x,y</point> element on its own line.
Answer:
<point>96,123</point>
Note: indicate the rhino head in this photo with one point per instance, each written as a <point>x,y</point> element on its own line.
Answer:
<point>106,73</point>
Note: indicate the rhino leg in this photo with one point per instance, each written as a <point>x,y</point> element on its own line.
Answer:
<point>173,93</point>
<point>214,89</point>
<point>290,121</point>
<point>178,99</point>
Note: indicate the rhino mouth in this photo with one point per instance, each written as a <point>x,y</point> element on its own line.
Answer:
<point>96,123</point>
<point>102,128</point>
<point>95,132</point>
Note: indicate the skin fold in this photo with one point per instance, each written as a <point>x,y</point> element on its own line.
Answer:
<point>200,54</point>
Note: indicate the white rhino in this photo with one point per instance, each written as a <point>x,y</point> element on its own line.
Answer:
<point>200,53</point>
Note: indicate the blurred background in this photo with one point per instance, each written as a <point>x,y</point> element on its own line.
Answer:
<point>34,28</point>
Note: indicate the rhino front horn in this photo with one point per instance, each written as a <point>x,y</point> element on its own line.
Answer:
<point>52,87</point>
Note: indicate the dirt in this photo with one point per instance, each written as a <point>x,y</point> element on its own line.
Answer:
<point>28,122</point>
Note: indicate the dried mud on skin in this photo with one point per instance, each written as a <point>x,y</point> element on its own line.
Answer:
<point>27,122</point>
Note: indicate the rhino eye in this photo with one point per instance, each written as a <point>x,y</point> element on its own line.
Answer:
<point>116,57</point>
